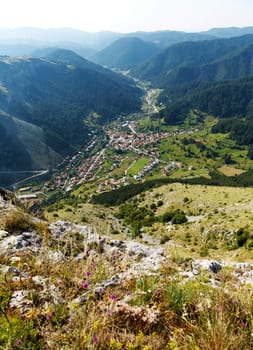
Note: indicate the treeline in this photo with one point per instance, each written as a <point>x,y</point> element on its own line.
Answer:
<point>240,130</point>
<point>224,99</point>
<point>125,193</point>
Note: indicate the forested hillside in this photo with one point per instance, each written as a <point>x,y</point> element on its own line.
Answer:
<point>57,97</point>
<point>127,52</point>
<point>198,61</point>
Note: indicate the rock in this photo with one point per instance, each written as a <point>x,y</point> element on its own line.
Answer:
<point>59,228</point>
<point>20,300</point>
<point>15,259</point>
<point>25,241</point>
<point>135,249</point>
<point>56,257</point>
<point>215,267</point>
<point>3,234</point>
<point>195,268</point>
<point>85,230</point>
<point>13,271</point>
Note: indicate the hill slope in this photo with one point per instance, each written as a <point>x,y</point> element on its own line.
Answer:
<point>57,97</point>
<point>126,52</point>
<point>181,62</point>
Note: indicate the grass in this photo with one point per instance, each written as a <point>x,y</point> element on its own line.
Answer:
<point>146,313</point>
<point>215,214</point>
<point>162,310</point>
<point>138,166</point>
<point>230,171</point>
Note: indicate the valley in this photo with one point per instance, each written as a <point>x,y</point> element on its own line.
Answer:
<point>129,223</point>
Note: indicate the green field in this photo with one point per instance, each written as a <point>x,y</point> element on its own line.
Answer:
<point>138,166</point>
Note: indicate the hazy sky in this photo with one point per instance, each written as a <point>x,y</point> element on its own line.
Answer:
<point>127,15</point>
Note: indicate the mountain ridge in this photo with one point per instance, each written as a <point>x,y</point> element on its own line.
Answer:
<point>57,97</point>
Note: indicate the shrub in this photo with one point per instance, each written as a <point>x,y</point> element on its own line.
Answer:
<point>164,239</point>
<point>18,222</point>
<point>179,217</point>
<point>241,237</point>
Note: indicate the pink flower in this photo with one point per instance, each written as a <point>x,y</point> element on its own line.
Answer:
<point>87,273</point>
<point>18,342</point>
<point>110,312</point>
<point>50,315</point>
<point>94,340</point>
<point>113,297</point>
<point>91,264</point>
<point>85,284</point>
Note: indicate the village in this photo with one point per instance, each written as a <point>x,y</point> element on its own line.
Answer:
<point>124,144</point>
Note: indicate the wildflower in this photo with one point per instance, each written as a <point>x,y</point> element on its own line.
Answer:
<point>59,281</point>
<point>50,315</point>
<point>85,284</point>
<point>87,273</point>
<point>18,342</point>
<point>110,312</point>
<point>94,340</point>
<point>91,264</point>
<point>113,297</point>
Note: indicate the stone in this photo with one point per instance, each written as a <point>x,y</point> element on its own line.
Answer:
<point>23,242</point>
<point>56,257</point>
<point>20,300</point>
<point>215,267</point>
<point>3,234</point>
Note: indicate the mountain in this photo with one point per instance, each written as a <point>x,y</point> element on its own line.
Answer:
<point>53,98</point>
<point>84,52</point>
<point>13,39</point>
<point>23,146</point>
<point>126,52</point>
<point>236,65</point>
<point>37,49</point>
<point>229,32</point>
<point>166,38</point>
<point>184,62</point>
<point>225,99</point>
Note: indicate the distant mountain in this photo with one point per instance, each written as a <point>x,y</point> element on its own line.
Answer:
<point>50,100</point>
<point>166,38</point>
<point>84,52</point>
<point>60,37</point>
<point>236,65</point>
<point>126,52</point>
<point>229,32</point>
<point>74,39</point>
<point>191,61</point>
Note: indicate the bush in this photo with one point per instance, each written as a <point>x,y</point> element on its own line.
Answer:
<point>179,217</point>
<point>18,222</point>
<point>241,237</point>
<point>164,239</point>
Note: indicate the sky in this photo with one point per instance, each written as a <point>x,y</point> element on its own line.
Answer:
<point>127,15</point>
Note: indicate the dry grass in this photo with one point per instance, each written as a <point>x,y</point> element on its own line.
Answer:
<point>230,171</point>
<point>157,312</point>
